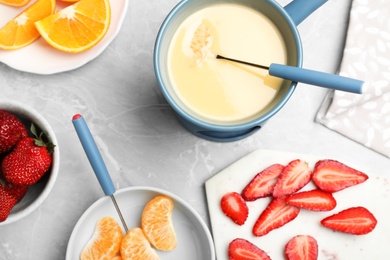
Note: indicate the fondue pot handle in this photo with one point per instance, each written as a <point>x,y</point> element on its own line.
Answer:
<point>316,78</point>
<point>299,10</point>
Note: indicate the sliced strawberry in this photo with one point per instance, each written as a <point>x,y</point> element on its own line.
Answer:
<point>315,200</point>
<point>294,176</point>
<point>332,176</point>
<point>301,247</point>
<point>234,207</point>
<point>356,220</point>
<point>277,214</point>
<point>241,249</point>
<point>263,183</point>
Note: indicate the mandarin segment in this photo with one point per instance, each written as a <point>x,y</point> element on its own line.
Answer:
<point>21,31</point>
<point>202,41</point>
<point>77,27</point>
<point>135,246</point>
<point>157,223</point>
<point>105,242</point>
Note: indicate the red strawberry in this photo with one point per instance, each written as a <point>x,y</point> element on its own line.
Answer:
<point>294,176</point>
<point>277,214</point>
<point>301,247</point>
<point>28,162</point>
<point>17,191</point>
<point>332,176</point>
<point>234,207</point>
<point>241,249</point>
<point>263,183</point>
<point>11,131</point>
<point>9,196</point>
<point>356,220</point>
<point>315,200</point>
<point>7,201</point>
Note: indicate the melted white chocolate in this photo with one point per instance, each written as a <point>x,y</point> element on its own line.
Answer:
<point>217,90</point>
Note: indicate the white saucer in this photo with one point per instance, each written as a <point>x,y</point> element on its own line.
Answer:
<point>193,236</point>
<point>40,58</point>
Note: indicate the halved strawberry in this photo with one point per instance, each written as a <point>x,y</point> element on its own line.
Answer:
<point>355,220</point>
<point>241,249</point>
<point>294,176</point>
<point>314,200</point>
<point>332,176</point>
<point>301,247</point>
<point>277,214</point>
<point>234,207</point>
<point>263,183</point>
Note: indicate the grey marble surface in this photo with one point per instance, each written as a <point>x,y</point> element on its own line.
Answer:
<point>139,137</point>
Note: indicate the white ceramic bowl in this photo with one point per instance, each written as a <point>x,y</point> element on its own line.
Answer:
<point>194,238</point>
<point>38,192</point>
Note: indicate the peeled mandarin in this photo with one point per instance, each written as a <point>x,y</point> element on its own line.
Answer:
<point>135,246</point>
<point>202,41</point>
<point>157,223</point>
<point>105,242</point>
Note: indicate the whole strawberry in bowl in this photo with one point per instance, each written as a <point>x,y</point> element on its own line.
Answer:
<point>11,131</point>
<point>29,160</point>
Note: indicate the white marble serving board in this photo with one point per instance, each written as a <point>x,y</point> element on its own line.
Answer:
<point>373,194</point>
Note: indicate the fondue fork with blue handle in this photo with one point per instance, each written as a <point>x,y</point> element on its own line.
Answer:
<point>312,77</point>
<point>96,161</point>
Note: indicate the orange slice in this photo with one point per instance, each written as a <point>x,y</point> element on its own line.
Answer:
<point>15,3</point>
<point>118,257</point>
<point>157,223</point>
<point>135,246</point>
<point>105,242</point>
<point>77,27</point>
<point>21,31</point>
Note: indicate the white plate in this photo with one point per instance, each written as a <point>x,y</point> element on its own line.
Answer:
<point>374,194</point>
<point>194,238</point>
<point>41,58</point>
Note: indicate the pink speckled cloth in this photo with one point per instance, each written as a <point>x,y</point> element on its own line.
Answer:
<point>364,118</point>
